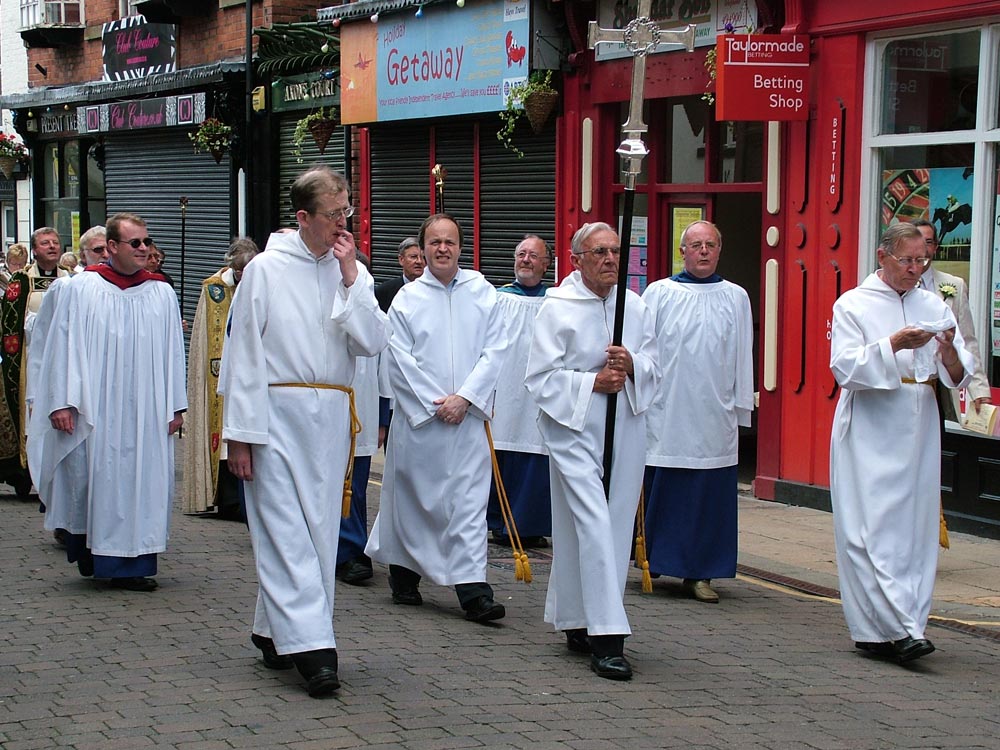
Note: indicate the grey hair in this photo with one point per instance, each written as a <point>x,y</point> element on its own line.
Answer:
<point>90,235</point>
<point>531,236</point>
<point>894,235</point>
<point>241,252</point>
<point>406,244</point>
<point>584,233</point>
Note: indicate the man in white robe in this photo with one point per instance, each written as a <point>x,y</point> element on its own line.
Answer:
<point>704,331</point>
<point>571,366</point>
<point>444,359</point>
<point>884,482</point>
<point>304,310</point>
<point>111,393</point>
<point>521,454</point>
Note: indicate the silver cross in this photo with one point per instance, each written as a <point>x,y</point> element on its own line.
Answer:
<point>640,37</point>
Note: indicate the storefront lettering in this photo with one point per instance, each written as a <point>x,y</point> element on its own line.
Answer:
<point>135,40</point>
<point>134,116</point>
<point>303,90</point>
<point>424,66</point>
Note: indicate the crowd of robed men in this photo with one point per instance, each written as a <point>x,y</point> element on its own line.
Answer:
<point>292,340</point>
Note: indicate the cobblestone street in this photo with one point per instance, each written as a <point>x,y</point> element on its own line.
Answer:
<point>91,668</point>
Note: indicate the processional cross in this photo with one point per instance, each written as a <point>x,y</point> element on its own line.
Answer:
<point>640,36</point>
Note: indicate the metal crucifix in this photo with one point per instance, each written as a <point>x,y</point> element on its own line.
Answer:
<point>640,36</point>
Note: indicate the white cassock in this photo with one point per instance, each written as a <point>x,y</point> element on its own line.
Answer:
<point>366,402</point>
<point>515,422</point>
<point>117,357</point>
<point>294,321</point>
<point>885,460</point>
<point>432,512</point>
<point>704,334</point>
<point>591,536</point>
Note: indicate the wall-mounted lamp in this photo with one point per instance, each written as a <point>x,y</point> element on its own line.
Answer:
<point>42,69</point>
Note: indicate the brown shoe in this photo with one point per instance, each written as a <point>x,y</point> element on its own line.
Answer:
<point>701,590</point>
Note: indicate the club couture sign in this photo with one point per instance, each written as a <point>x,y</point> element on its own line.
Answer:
<point>762,77</point>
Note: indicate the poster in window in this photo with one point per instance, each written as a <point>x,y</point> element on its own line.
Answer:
<point>942,196</point>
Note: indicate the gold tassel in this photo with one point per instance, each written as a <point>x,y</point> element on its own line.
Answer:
<point>640,543</point>
<point>345,508</point>
<point>522,569</point>
<point>943,532</point>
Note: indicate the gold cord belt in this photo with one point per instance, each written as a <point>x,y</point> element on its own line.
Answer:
<point>932,382</point>
<point>345,509</point>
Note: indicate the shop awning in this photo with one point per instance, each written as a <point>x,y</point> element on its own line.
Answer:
<point>101,91</point>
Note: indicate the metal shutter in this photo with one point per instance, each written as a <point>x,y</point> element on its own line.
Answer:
<point>400,199</point>
<point>147,173</point>
<point>454,144</point>
<point>289,167</point>
<point>517,196</point>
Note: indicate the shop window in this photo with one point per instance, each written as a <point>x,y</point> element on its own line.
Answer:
<point>62,190</point>
<point>930,83</point>
<point>741,151</point>
<point>686,141</point>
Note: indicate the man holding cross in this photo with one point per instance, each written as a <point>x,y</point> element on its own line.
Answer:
<point>570,368</point>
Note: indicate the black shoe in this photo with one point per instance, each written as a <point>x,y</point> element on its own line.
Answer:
<point>578,641</point>
<point>908,649</point>
<point>611,667</point>
<point>409,595</point>
<point>272,659</point>
<point>354,571</point>
<point>319,668</point>
<point>135,583</point>
<point>323,682</point>
<point>484,609</point>
<point>877,648</point>
<point>60,536</point>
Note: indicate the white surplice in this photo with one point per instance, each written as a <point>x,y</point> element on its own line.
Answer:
<point>366,402</point>
<point>515,422</point>
<point>117,357</point>
<point>704,334</point>
<point>293,321</point>
<point>432,512</point>
<point>885,461</point>
<point>591,535</point>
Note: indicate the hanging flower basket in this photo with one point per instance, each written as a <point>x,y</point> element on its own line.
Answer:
<point>11,152</point>
<point>538,105</point>
<point>213,136</point>
<point>535,98</point>
<point>320,125</point>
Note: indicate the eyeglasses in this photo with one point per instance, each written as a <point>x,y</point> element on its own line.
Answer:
<point>530,256</point>
<point>930,242</point>
<point>345,213</point>
<point>697,246</point>
<point>602,252</point>
<point>98,248</point>
<point>135,243</point>
<point>907,262</point>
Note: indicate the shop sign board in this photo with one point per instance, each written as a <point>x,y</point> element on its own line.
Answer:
<point>762,77</point>
<point>135,49</point>
<point>140,114</point>
<point>444,61</point>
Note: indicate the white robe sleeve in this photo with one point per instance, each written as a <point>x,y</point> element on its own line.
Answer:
<point>244,379</point>
<point>413,390</point>
<point>743,394</point>
<point>856,364</point>
<point>563,394</point>
<point>479,387</point>
<point>357,312</point>
<point>642,387</point>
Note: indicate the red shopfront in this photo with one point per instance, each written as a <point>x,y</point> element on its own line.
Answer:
<point>904,102</point>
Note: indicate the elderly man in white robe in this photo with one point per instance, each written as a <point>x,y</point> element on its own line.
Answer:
<point>891,343</point>
<point>304,310</point>
<point>572,366</point>
<point>111,393</point>
<point>444,360</point>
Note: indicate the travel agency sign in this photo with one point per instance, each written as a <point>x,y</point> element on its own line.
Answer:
<point>762,77</point>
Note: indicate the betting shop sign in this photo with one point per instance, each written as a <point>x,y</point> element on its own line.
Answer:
<point>762,77</point>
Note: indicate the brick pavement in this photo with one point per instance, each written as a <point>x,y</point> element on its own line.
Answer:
<point>89,668</point>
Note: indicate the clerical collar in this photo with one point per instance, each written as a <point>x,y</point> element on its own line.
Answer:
<point>54,273</point>
<point>685,278</point>
<point>530,291</point>
<point>122,281</point>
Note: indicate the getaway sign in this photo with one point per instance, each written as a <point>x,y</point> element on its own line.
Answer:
<point>762,77</point>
